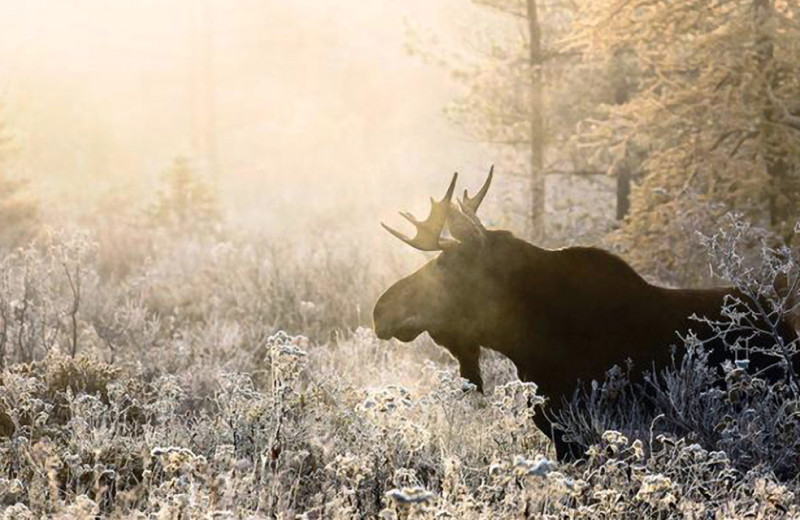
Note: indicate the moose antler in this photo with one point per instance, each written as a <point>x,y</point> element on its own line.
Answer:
<point>463,223</point>
<point>429,231</point>
<point>471,204</point>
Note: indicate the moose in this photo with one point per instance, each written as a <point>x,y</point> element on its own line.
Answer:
<point>562,316</point>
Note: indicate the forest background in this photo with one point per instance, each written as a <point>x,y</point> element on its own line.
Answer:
<point>190,195</point>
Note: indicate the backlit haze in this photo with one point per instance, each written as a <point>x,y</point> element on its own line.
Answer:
<point>299,108</point>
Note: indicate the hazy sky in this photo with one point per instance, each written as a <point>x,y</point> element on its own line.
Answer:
<point>314,102</point>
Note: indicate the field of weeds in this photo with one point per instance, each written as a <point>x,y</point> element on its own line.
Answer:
<point>166,388</point>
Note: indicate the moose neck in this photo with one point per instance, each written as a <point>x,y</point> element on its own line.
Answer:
<point>506,325</point>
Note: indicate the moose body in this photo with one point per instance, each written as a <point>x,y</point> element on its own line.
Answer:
<point>561,316</point>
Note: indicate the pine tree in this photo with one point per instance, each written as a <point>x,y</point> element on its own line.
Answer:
<point>505,99</point>
<point>525,91</point>
<point>187,203</point>
<point>19,211</point>
<point>715,117</point>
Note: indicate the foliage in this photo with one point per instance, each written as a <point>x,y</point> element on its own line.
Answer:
<point>525,101</point>
<point>55,296</point>
<point>40,296</point>
<point>750,416</point>
<point>712,123</point>
<point>187,204</point>
<point>202,409</point>
<point>499,101</point>
<point>495,106</point>
<point>313,437</point>
<point>19,211</point>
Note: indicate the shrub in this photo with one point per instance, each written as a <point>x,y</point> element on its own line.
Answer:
<point>191,403</point>
<point>187,203</point>
<point>751,416</point>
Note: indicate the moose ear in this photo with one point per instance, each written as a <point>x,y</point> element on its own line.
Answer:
<point>464,227</point>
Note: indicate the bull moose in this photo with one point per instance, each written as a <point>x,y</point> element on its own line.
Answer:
<point>562,316</point>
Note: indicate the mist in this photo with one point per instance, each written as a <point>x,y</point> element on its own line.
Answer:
<point>200,315</point>
<point>306,108</point>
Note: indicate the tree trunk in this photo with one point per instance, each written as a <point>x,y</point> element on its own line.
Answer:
<point>622,90</point>
<point>623,192</point>
<point>781,188</point>
<point>537,124</point>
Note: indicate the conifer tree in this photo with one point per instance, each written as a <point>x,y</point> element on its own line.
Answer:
<point>187,203</point>
<point>19,211</point>
<point>715,117</point>
<point>525,91</point>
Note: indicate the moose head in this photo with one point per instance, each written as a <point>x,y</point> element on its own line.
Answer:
<point>453,295</point>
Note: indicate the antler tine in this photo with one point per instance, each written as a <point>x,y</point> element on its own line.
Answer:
<point>429,231</point>
<point>409,217</point>
<point>472,204</point>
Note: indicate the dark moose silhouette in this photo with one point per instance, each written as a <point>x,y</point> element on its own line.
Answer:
<point>562,316</point>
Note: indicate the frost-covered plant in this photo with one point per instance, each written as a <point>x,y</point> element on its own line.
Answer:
<point>42,289</point>
<point>753,416</point>
<point>199,407</point>
<point>310,441</point>
<point>770,289</point>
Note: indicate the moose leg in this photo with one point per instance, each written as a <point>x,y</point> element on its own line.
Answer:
<point>565,451</point>
<point>469,365</point>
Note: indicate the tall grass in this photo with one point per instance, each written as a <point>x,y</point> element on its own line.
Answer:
<point>157,380</point>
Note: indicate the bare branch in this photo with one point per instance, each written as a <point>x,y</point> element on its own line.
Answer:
<point>787,118</point>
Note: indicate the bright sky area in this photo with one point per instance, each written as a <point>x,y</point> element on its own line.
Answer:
<point>314,103</point>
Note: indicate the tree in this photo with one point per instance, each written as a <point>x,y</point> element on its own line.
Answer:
<point>19,211</point>
<point>714,119</point>
<point>504,99</point>
<point>524,93</point>
<point>537,136</point>
<point>187,204</point>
